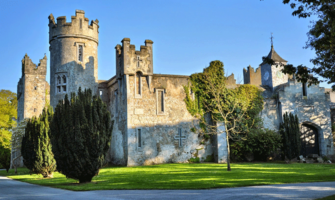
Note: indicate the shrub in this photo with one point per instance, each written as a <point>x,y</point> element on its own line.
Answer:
<point>36,146</point>
<point>195,160</point>
<point>262,143</point>
<point>81,131</point>
<point>4,158</point>
<point>290,132</point>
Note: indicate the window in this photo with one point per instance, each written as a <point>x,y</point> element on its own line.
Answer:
<point>139,138</point>
<point>61,83</point>
<point>116,103</point>
<point>81,23</point>
<point>160,101</point>
<point>35,109</point>
<point>100,93</point>
<point>35,88</point>
<point>80,53</point>
<point>138,85</point>
<point>304,89</point>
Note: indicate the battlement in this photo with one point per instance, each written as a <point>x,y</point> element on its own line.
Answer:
<point>251,76</point>
<point>28,67</point>
<point>129,60</point>
<point>78,27</point>
<point>230,81</point>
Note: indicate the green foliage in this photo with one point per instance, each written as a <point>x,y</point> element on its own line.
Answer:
<point>8,110</point>
<point>193,130</point>
<point>290,132</point>
<point>36,146</point>
<point>81,131</point>
<point>194,160</point>
<point>209,158</point>
<point>262,143</point>
<point>249,98</point>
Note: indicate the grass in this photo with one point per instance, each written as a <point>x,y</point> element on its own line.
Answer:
<point>187,176</point>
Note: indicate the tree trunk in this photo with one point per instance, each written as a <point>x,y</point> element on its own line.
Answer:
<point>228,149</point>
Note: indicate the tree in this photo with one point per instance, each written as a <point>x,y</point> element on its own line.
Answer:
<point>81,131</point>
<point>5,149</point>
<point>36,145</point>
<point>16,143</point>
<point>289,129</point>
<point>237,109</point>
<point>321,38</point>
<point>8,111</point>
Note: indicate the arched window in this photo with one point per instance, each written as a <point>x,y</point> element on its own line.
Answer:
<point>64,79</point>
<point>59,81</point>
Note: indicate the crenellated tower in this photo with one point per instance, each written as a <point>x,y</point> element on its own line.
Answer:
<point>32,88</point>
<point>132,62</point>
<point>73,55</point>
<point>251,76</point>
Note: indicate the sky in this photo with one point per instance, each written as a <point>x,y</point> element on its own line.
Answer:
<point>187,34</point>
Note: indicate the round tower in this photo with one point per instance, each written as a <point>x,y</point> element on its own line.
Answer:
<point>73,55</point>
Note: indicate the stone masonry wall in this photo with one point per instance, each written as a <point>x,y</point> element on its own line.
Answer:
<point>313,109</point>
<point>159,130</point>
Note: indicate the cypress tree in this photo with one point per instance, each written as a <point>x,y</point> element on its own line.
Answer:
<point>36,146</point>
<point>290,131</point>
<point>81,131</point>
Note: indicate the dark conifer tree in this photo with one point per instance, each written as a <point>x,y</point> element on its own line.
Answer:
<point>81,131</point>
<point>290,132</point>
<point>36,146</point>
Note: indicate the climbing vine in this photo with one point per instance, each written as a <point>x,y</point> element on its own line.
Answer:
<point>199,101</point>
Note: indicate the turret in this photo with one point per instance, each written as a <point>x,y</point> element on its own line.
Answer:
<point>32,88</point>
<point>272,75</point>
<point>73,55</point>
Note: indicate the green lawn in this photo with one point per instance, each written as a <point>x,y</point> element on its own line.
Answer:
<point>188,176</point>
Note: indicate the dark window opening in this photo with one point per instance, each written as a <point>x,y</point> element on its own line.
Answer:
<point>64,88</point>
<point>35,88</point>
<point>138,83</point>
<point>64,79</point>
<point>80,53</point>
<point>81,23</point>
<point>139,137</point>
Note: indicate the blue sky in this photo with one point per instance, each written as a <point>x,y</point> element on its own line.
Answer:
<point>187,34</point>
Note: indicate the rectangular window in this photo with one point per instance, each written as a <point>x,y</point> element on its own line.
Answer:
<point>116,103</point>
<point>81,23</point>
<point>64,88</point>
<point>58,89</point>
<point>139,138</point>
<point>138,85</point>
<point>160,101</point>
<point>100,93</point>
<point>80,53</point>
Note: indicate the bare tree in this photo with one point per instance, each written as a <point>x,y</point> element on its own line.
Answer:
<point>224,107</point>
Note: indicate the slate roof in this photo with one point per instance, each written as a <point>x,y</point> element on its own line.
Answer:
<point>274,56</point>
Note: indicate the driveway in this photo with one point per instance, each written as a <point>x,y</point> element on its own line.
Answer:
<point>10,189</point>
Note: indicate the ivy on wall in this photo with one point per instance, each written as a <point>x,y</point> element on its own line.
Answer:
<point>199,101</point>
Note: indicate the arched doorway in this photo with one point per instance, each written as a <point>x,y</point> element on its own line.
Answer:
<point>309,140</point>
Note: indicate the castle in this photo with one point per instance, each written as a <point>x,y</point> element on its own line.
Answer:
<point>151,122</point>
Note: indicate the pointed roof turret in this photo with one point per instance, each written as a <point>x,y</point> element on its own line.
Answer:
<point>274,56</point>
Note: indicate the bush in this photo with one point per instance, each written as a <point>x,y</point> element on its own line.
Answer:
<point>81,131</point>
<point>4,158</point>
<point>36,146</point>
<point>290,132</point>
<point>262,143</point>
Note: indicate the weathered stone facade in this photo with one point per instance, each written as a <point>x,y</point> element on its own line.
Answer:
<point>284,94</point>
<point>73,55</point>
<point>151,122</point>
<point>32,88</point>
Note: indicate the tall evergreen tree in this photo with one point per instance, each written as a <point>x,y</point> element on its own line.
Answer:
<point>81,132</point>
<point>290,132</point>
<point>36,146</point>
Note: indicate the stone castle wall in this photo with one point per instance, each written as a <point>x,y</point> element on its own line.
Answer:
<point>160,129</point>
<point>252,77</point>
<point>313,109</point>
<point>32,88</point>
<point>65,39</point>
